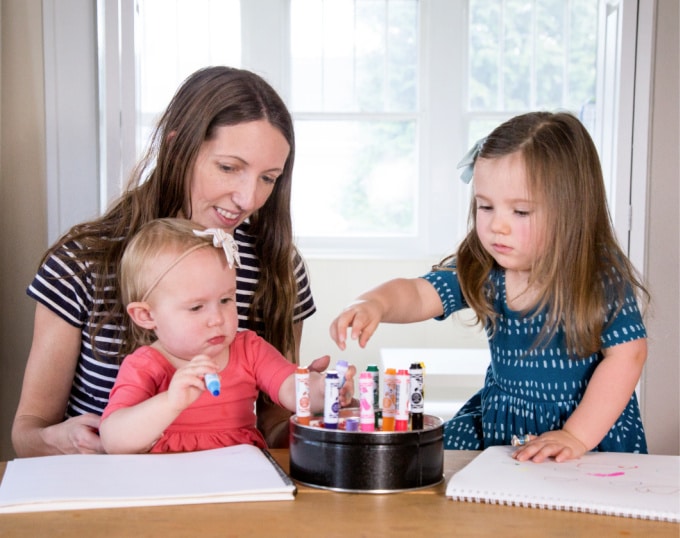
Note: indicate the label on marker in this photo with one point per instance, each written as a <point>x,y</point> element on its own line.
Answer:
<point>302,402</point>
<point>331,400</point>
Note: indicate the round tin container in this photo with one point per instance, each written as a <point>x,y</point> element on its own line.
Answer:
<point>367,462</point>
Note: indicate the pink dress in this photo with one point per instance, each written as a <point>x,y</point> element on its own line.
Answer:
<point>211,421</point>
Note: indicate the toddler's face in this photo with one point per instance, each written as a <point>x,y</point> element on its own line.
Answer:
<point>510,224</point>
<point>194,306</point>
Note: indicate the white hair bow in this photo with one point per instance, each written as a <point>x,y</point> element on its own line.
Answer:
<point>224,240</point>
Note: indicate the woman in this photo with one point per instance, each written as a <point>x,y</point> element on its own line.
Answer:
<point>222,156</point>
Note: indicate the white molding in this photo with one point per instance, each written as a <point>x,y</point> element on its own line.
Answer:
<point>640,165</point>
<point>117,100</point>
<point>69,47</point>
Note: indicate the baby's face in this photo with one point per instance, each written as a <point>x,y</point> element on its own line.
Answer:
<point>194,306</point>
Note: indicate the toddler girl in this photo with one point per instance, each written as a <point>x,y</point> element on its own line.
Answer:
<point>542,270</point>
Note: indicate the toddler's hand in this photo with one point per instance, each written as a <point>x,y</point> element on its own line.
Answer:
<point>559,444</point>
<point>188,382</point>
<point>362,316</point>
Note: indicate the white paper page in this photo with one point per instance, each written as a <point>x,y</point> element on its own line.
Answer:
<point>236,473</point>
<point>634,485</point>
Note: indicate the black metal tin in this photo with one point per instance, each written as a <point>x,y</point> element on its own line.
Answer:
<point>367,462</point>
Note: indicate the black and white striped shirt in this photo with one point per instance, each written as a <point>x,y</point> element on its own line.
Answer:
<point>66,287</point>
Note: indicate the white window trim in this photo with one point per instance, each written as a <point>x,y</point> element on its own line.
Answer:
<point>72,161</point>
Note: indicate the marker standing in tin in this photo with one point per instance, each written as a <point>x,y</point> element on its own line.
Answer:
<point>417,397</point>
<point>389,406</point>
<point>403,397</point>
<point>373,369</point>
<point>366,412</point>
<point>302,400</point>
<point>331,408</point>
<point>341,367</point>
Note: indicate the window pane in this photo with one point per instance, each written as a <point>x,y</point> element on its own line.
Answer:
<point>484,55</point>
<point>355,178</point>
<point>354,80</point>
<point>173,39</point>
<point>526,55</point>
<point>354,56</point>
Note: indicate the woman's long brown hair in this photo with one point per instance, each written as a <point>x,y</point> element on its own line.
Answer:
<point>159,187</point>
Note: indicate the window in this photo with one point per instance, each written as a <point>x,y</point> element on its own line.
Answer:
<point>382,105</point>
<point>386,96</point>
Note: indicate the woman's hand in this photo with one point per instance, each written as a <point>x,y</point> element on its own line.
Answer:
<point>39,427</point>
<point>559,444</point>
<point>77,435</point>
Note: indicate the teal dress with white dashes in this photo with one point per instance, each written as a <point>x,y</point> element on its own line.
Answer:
<point>533,391</point>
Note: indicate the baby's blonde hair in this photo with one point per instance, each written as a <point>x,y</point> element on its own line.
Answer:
<point>144,263</point>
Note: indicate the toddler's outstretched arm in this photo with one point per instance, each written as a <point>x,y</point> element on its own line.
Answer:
<point>397,301</point>
<point>606,397</point>
<point>135,429</point>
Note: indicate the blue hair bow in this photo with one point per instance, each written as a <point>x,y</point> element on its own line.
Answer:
<point>467,163</point>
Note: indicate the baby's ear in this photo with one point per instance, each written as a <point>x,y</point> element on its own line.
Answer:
<point>140,313</point>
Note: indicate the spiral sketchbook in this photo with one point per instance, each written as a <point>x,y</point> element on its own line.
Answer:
<point>613,483</point>
<point>74,482</point>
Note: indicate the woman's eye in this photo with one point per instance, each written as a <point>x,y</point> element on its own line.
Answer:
<point>195,308</point>
<point>269,179</point>
<point>226,168</point>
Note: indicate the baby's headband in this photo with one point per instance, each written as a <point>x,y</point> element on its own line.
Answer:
<point>467,163</point>
<point>220,239</point>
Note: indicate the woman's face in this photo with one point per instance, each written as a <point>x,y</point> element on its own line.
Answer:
<point>235,172</point>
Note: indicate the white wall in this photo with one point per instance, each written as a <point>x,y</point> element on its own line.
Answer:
<point>335,283</point>
<point>661,380</point>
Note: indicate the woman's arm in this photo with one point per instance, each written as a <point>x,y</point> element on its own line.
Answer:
<point>39,427</point>
<point>605,398</point>
<point>400,300</point>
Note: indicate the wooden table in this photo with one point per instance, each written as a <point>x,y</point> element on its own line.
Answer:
<point>321,513</point>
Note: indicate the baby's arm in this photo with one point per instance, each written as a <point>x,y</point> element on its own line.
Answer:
<point>607,395</point>
<point>400,300</point>
<point>317,388</point>
<point>135,429</point>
